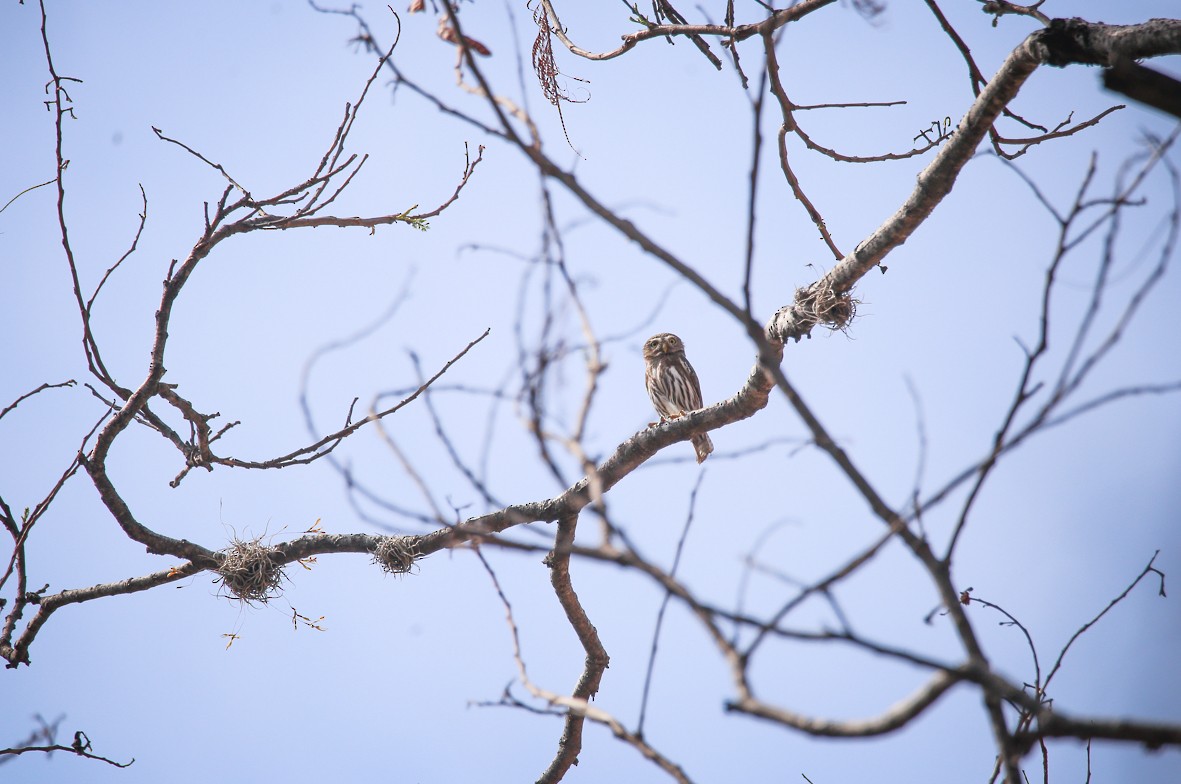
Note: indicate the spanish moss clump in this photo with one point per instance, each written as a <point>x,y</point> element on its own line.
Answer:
<point>819,304</point>
<point>395,554</point>
<point>250,572</point>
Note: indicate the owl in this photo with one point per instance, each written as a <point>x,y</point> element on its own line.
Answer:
<point>672,383</point>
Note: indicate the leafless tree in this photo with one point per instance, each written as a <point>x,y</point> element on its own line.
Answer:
<point>560,336</point>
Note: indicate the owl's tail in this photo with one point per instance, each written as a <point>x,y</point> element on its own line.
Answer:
<point>703,446</point>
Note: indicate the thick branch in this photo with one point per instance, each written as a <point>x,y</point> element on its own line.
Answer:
<point>597,660</point>
<point>1068,41</point>
<point>19,652</point>
<point>1054,725</point>
<point>1145,85</point>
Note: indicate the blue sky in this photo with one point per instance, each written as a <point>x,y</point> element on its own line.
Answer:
<point>388,688</point>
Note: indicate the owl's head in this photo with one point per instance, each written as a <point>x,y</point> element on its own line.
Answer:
<point>664,343</point>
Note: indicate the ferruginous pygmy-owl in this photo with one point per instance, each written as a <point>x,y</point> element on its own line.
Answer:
<point>672,383</point>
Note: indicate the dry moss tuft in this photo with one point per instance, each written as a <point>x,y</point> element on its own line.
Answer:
<point>821,305</point>
<point>395,554</point>
<point>250,572</point>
